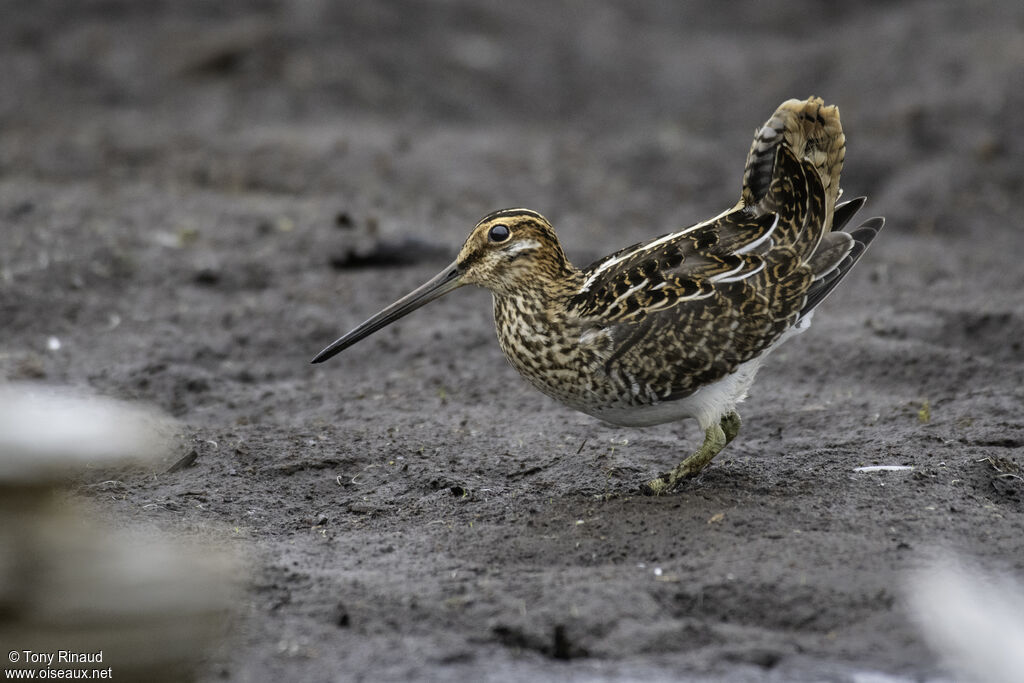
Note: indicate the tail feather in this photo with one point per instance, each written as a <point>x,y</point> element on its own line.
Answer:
<point>813,132</point>
<point>834,248</point>
<point>861,238</point>
<point>793,169</point>
<point>845,211</point>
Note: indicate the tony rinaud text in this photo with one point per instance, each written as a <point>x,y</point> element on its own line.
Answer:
<point>62,657</point>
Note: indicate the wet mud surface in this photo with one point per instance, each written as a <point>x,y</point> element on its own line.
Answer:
<point>195,199</point>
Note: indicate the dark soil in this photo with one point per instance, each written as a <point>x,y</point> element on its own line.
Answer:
<point>196,197</point>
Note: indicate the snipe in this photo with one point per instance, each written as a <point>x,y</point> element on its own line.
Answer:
<point>677,326</point>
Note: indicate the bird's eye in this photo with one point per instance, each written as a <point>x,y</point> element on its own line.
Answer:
<point>498,233</point>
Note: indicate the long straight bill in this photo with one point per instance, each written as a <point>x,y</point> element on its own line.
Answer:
<point>439,285</point>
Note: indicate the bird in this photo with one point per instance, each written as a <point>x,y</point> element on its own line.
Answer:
<point>677,326</point>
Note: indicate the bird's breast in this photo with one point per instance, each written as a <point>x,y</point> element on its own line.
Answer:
<point>553,352</point>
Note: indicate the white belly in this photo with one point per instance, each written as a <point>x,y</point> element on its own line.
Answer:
<point>707,405</point>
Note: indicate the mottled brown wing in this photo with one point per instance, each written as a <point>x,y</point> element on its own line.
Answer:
<point>673,268</point>
<point>686,309</point>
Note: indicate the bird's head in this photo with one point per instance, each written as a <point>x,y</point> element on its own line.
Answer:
<point>509,251</point>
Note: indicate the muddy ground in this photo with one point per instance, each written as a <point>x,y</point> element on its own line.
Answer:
<point>196,197</point>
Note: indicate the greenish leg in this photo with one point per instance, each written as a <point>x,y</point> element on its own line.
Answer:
<point>715,439</point>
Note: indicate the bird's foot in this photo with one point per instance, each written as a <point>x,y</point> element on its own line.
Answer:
<point>731,425</point>
<point>715,440</point>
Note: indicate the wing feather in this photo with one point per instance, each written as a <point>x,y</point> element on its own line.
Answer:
<point>685,309</point>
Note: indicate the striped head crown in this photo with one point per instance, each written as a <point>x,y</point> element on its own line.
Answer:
<point>512,250</point>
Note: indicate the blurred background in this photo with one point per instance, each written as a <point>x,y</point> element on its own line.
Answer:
<point>356,102</point>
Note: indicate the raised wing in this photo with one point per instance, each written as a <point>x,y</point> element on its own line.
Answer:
<point>687,308</point>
